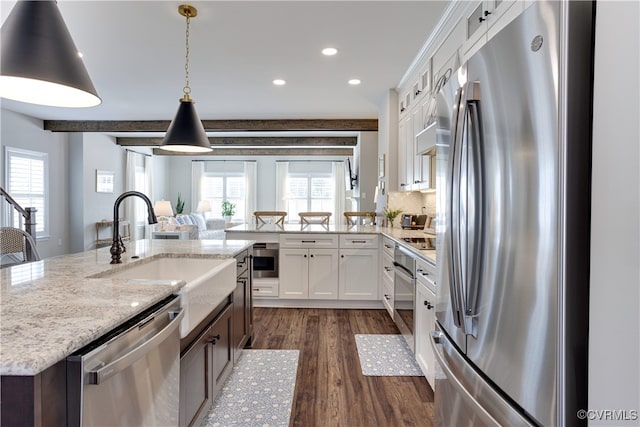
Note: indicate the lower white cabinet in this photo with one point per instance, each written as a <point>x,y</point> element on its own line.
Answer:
<point>358,274</point>
<point>425,318</point>
<point>309,273</point>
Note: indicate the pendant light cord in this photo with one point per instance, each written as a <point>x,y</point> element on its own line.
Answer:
<point>187,88</point>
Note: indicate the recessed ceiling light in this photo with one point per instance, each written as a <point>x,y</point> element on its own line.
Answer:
<point>279,82</point>
<point>354,82</point>
<point>329,51</point>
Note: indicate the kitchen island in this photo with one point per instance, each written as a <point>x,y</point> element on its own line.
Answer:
<point>51,308</point>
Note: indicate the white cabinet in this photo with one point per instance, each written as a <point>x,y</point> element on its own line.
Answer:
<point>309,273</point>
<point>359,267</point>
<point>425,317</point>
<point>310,270</point>
<point>405,153</point>
<point>485,19</point>
<point>387,274</point>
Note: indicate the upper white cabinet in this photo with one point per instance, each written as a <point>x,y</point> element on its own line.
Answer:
<point>485,19</point>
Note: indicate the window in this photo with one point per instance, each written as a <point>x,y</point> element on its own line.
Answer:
<point>26,179</point>
<point>219,186</point>
<point>309,192</point>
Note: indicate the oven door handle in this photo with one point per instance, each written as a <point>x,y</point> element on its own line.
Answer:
<point>402,270</point>
<point>118,365</point>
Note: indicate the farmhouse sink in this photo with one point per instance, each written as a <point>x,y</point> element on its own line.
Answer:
<point>208,282</point>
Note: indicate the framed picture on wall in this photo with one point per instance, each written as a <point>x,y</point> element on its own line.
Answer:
<point>105,181</point>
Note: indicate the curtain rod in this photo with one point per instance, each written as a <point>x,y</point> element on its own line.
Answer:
<point>142,154</point>
<point>237,161</point>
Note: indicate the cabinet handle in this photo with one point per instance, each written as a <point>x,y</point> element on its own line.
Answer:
<point>480,19</point>
<point>487,13</point>
<point>215,338</point>
<point>358,241</point>
<point>388,269</point>
<point>305,255</point>
<point>388,247</point>
<point>402,110</point>
<point>311,255</point>
<point>308,241</point>
<point>386,296</point>
<point>416,182</point>
<point>428,304</point>
<point>418,92</point>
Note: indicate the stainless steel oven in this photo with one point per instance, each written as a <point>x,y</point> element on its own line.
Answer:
<point>404,292</point>
<point>265,260</point>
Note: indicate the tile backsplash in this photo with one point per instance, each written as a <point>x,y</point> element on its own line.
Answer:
<point>412,202</point>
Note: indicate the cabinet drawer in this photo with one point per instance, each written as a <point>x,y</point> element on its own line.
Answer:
<point>426,274</point>
<point>265,287</point>
<point>311,240</point>
<point>387,296</point>
<point>387,266</point>
<point>388,245</point>
<point>368,241</point>
<point>242,262</point>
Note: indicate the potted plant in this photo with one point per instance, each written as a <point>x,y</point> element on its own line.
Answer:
<point>179,205</point>
<point>391,215</point>
<point>228,210</point>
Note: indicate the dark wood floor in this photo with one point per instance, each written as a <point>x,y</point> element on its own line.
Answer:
<point>330,388</point>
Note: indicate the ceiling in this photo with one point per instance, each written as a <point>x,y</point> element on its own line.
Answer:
<point>135,54</point>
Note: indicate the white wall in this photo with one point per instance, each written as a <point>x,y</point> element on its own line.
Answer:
<point>25,132</point>
<point>614,321</point>
<point>99,152</point>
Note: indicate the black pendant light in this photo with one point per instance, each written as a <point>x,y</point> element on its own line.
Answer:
<point>40,63</point>
<point>186,133</point>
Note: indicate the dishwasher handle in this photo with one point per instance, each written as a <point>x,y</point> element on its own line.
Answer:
<point>109,370</point>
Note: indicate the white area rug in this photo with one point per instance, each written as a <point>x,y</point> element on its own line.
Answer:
<point>386,356</point>
<point>259,391</point>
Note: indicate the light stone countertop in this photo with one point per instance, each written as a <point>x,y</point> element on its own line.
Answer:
<point>50,309</point>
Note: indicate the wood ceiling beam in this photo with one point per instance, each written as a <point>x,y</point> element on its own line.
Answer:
<point>264,152</point>
<point>342,141</point>
<point>359,125</point>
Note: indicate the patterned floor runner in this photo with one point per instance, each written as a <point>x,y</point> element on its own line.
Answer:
<point>259,391</point>
<point>386,355</point>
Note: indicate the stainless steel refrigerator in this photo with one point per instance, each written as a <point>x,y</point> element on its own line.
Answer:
<point>513,178</point>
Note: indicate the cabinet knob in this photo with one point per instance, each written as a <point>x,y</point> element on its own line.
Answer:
<point>428,304</point>
<point>341,256</point>
<point>215,339</point>
<point>311,255</point>
<point>305,255</point>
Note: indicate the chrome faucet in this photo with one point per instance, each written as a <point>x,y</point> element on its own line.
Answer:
<point>117,248</point>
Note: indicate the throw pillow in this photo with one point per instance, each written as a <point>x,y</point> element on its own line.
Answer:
<point>199,220</point>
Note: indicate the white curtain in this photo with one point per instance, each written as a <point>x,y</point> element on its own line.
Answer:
<point>337,169</point>
<point>197,170</point>
<point>282,169</point>
<point>138,221</point>
<point>130,185</point>
<point>249,190</point>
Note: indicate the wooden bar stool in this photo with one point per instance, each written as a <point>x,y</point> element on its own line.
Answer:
<point>314,218</point>
<point>269,217</point>
<point>357,218</point>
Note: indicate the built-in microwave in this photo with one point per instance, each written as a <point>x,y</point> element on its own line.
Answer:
<point>265,260</point>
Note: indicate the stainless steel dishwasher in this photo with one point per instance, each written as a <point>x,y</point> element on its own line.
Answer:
<point>131,376</point>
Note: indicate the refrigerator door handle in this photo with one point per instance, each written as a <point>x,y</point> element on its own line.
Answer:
<point>436,338</point>
<point>472,285</point>
<point>453,213</point>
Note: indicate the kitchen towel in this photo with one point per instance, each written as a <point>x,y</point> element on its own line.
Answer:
<point>386,355</point>
<point>259,391</point>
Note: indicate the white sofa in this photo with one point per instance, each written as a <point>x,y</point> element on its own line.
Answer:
<point>199,228</point>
